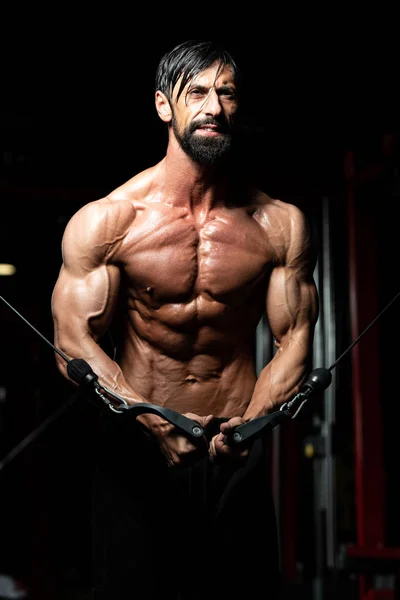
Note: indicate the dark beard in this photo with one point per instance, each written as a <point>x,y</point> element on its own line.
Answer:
<point>203,150</point>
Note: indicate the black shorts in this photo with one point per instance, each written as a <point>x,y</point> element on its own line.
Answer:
<point>193,533</point>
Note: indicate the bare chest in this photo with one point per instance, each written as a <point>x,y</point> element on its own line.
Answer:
<point>174,258</point>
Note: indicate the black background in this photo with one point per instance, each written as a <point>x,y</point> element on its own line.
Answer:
<point>78,113</point>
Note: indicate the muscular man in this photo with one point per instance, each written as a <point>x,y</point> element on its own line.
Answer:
<point>182,261</point>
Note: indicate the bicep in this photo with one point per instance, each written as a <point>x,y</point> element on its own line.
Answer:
<point>292,298</point>
<point>84,304</point>
<point>86,291</point>
<point>291,304</point>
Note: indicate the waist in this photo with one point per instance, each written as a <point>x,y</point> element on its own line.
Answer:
<point>203,384</point>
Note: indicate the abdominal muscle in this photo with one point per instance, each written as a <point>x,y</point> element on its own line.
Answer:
<point>202,370</point>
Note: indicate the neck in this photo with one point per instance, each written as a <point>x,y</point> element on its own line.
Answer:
<point>191,184</point>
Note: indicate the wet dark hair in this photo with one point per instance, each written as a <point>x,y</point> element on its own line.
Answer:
<point>187,60</point>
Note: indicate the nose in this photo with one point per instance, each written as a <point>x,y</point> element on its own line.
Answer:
<point>212,104</point>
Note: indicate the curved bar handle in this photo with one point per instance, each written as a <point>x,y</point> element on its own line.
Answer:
<point>239,435</point>
<point>256,427</point>
<point>81,372</point>
<point>187,425</point>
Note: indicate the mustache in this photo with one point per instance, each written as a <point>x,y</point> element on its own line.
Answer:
<point>223,126</point>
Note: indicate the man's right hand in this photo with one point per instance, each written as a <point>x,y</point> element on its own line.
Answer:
<point>178,448</point>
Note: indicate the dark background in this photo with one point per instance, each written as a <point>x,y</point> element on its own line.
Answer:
<point>78,113</point>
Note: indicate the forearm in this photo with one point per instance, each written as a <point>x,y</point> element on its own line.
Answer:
<point>108,371</point>
<point>279,380</point>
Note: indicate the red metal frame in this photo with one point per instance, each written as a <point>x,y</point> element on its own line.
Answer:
<point>369,467</point>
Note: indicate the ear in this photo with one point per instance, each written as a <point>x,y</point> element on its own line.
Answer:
<point>163,107</point>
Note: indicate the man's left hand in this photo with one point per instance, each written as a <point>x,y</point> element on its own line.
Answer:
<point>220,451</point>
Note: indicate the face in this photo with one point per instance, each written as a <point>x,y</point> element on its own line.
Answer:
<point>203,117</point>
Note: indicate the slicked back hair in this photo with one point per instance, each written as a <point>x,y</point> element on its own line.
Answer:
<point>187,60</point>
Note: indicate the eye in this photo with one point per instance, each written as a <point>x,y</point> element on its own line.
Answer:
<point>196,93</point>
<point>228,95</point>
